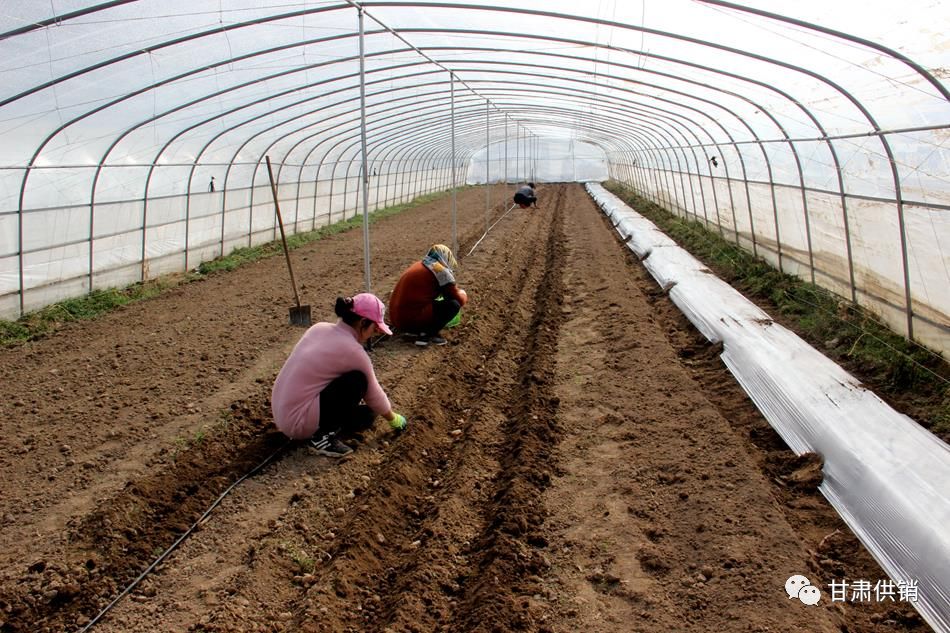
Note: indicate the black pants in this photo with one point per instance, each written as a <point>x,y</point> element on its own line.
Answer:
<point>525,201</point>
<point>340,408</point>
<point>443,312</point>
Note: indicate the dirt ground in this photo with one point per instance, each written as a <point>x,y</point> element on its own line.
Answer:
<point>578,459</point>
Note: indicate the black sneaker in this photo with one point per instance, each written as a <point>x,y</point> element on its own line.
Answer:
<point>330,446</point>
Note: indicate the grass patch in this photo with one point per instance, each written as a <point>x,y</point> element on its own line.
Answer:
<point>37,324</point>
<point>43,322</point>
<point>913,379</point>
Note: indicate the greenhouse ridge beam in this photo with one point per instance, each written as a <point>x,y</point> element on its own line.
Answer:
<point>455,247</point>
<point>361,7</point>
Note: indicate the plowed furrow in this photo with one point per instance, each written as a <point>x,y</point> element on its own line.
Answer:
<point>450,486</point>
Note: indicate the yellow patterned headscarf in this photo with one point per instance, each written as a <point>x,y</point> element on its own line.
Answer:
<point>437,260</point>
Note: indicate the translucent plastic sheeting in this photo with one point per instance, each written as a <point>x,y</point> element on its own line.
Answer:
<point>552,160</point>
<point>132,240</point>
<point>812,111</point>
<point>887,477</point>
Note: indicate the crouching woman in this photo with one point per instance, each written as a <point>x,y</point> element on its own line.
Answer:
<point>426,297</point>
<point>317,393</point>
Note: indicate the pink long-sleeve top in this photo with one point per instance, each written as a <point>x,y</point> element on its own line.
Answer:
<point>326,351</point>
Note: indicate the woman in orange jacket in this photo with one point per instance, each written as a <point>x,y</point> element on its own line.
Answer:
<point>413,304</point>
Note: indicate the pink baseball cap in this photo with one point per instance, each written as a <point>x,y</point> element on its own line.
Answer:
<point>370,307</point>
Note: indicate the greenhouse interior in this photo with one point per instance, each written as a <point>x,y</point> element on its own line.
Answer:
<point>145,141</point>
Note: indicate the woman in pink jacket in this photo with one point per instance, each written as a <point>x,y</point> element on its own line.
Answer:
<point>318,391</point>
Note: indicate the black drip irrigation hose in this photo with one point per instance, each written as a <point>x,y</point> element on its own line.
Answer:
<point>181,539</point>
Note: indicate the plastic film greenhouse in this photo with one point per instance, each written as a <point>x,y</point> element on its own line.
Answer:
<point>400,316</point>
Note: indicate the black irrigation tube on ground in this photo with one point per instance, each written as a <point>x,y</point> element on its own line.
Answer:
<point>181,539</point>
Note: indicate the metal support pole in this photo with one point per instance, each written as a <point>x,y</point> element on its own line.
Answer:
<point>505,188</point>
<point>573,164</point>
<point>455,235</point>
<point>487,161</point>
<point>518,154</point>
<point>506,149</point>
<point>534,158</point>
<point>528,153</point>
<point>524,156</point>
<point>366,257</point>
<point>534,161</point>
<point>20,255</point>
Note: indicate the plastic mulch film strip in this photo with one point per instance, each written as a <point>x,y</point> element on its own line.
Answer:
<point>886,476</point>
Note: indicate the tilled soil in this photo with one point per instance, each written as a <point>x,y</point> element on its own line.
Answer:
<point>578,459</point>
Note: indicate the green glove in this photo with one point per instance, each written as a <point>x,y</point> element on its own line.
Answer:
<point>398,423</point>
<point>455,320</point>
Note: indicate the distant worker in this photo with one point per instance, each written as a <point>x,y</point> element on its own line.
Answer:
<point>317,393</point>
<point>426,297</point>
<point>525,196</point>
<point>211,185</point>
